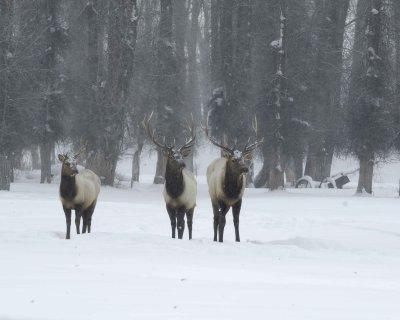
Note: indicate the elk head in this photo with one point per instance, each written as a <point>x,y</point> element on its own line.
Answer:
<point>237,157</point>
<point>171,152</point>
<point>69,164</point>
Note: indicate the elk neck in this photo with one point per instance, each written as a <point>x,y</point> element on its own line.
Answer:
<point>68,188</point>
<point>233,181</point>
<point>174,178</point>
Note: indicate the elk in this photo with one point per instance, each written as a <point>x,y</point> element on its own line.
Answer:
<point>226,183</point>
<point>180,185</point>
<point>78,191</point>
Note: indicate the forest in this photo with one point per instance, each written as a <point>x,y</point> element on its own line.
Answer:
<point>321,78</point>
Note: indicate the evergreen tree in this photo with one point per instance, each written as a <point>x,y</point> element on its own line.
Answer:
<point>371,132</point>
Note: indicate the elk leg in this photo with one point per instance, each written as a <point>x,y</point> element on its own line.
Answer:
<point>216,217</point>
<point>189,216</point>
<point>236,212</point>
<point>181,222</point>
<point>68,221</point>
<point>78,215</point>
<point>172,217</point>
<point>89,223</point>
<point>84,219</point>
<point>222,221</point>
<point>87,217</point>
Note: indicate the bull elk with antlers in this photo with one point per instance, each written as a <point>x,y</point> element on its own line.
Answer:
<point>78,191</point>
<point>180,186</point>
<point>226,182</point>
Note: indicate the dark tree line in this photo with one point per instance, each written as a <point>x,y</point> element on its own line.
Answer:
<point>320,76</point>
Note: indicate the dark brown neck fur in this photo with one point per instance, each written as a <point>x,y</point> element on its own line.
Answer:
<point>68,187</point>
<point>233,182</point>
<point>174,179</point>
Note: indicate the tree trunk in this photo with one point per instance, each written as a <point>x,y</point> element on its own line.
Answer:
<point>53,154</point>
<point>276,174</point>
<point>49,103</point>
<point>193,92</point>
<point>45,162</point>
<point>5,173</point>
<point>264,29</point>
<point>215,44</point>
<point>326,79</point>
<point>6,30</point>
<point>241,98</point>
<point>262,178</point>
<point>160,168</point>
<point>136,164</point>
<point>93,40</point>
<point>205,62</point>
<point>291,172</point>
<point>103,166</point>
<point>318,165</point>
<point>35,157</point>
<point>374,86</point>
<point>180,19</point>
<point>278,99</point>
<point>396,5</point>
<point>168,92</point>
<point>122,33</point>
<point>226,38</point>
<point>365,176</point>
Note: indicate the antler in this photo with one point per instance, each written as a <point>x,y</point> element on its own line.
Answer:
<point>250,148</point>
<point>205,128</point>
<point>82,148</point>
<point>150,133</point>
<point>188,144</point>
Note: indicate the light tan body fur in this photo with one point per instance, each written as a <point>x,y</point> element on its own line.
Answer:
<point>188,198</point>
<point>88,187</point>
<point>215,181</point>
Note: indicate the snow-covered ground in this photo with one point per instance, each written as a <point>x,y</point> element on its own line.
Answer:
<point>305,254</point>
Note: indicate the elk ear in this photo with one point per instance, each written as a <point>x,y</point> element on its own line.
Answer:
<point>225,154</point>
<point>165,153</point>
<point>61,157</point>
<point>185,152</point>
<point>248,157</point>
